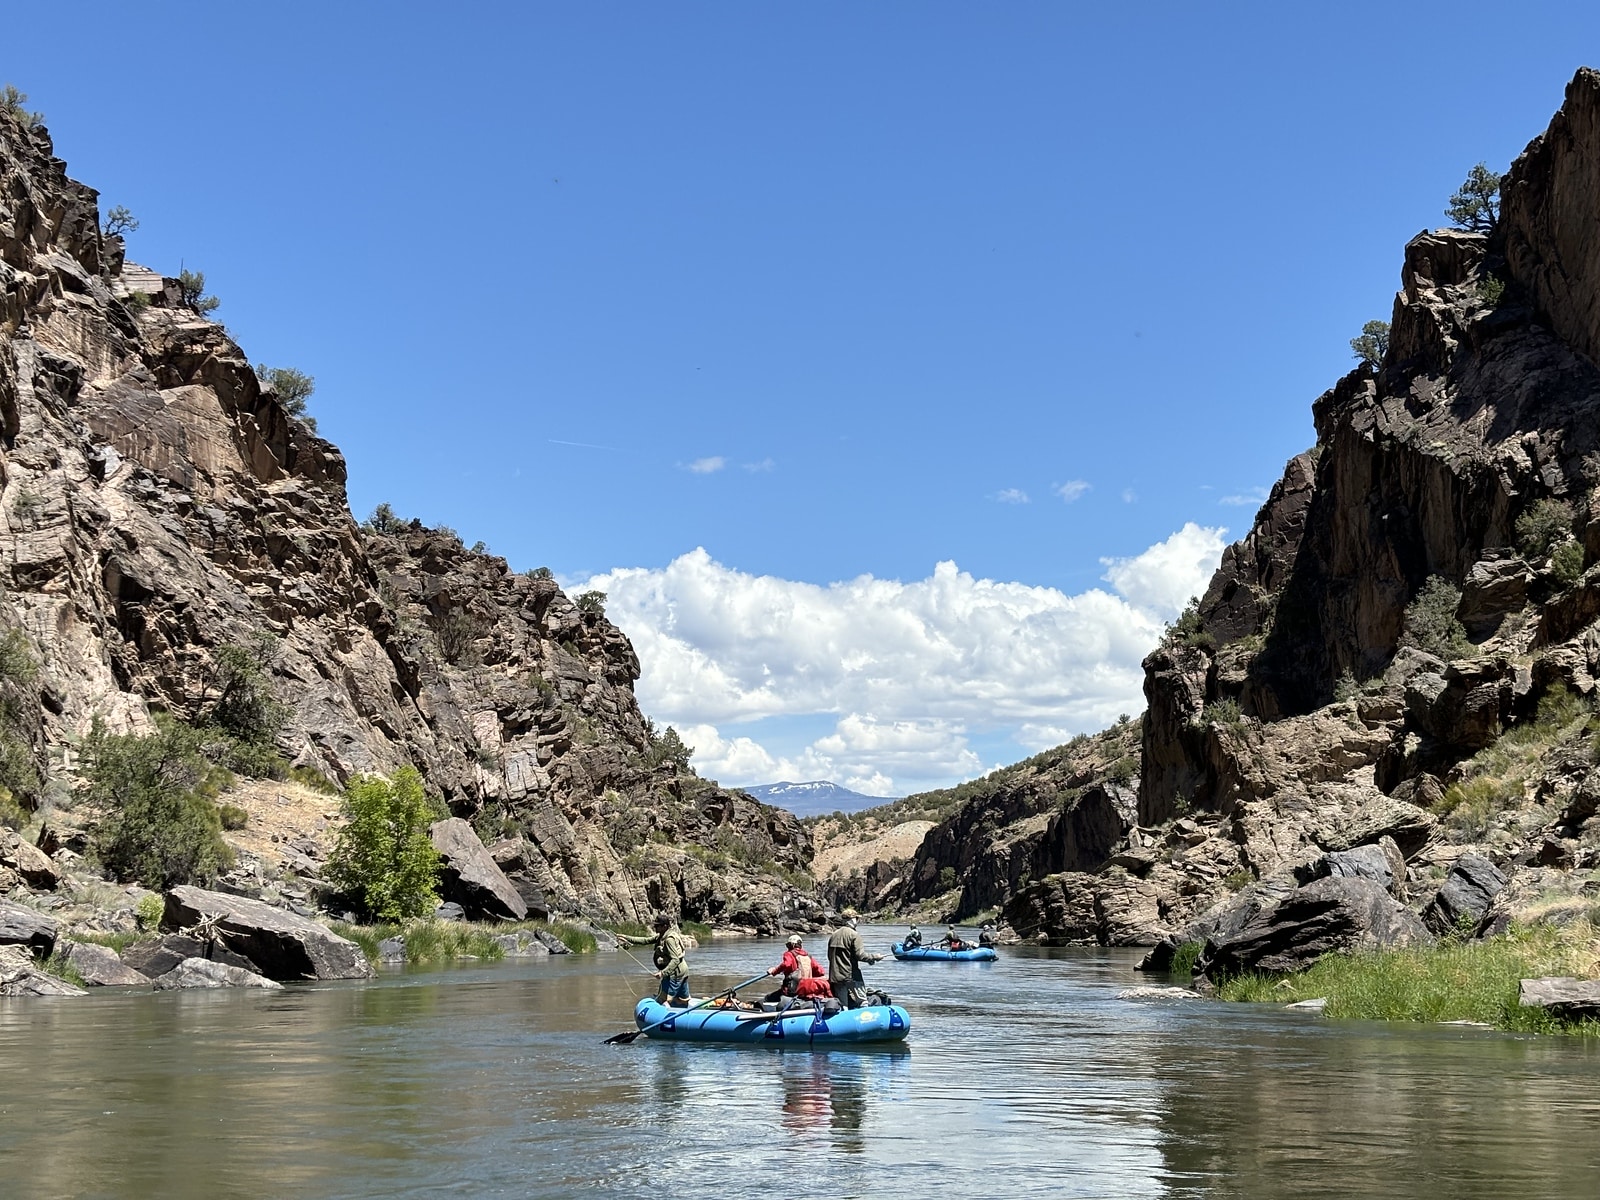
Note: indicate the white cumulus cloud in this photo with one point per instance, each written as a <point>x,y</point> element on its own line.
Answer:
<point>909,672</point>
<point>706,466</point>
<point>1011,496</point>
<point>1071,490</point>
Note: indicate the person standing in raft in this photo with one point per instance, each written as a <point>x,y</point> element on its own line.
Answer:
<point>803,976</point>
<point>670,956</point>
<point>845,956</point>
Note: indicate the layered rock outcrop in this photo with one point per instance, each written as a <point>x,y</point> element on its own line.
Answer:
<point>158,503</point>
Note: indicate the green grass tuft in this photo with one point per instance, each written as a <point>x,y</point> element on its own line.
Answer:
<point>1474,981</point>
<point>1184,958</point>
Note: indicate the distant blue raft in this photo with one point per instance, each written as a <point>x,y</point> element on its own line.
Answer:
<point>938,954</point>
<point>801,1028</point>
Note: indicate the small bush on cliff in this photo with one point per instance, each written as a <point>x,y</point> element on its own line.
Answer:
<point>12,101</point>
<point>540,573</point>
<point>293,387</point>
<point>384,857</point>
<point>384,521</point>
<point>1189,629</point>
<point>1476,203</point>
<point>192,290</point>
<point>668,747</point>
<point>1430,621</point>
<point>118,221</point>
<point>591,602</point>
<point>1542,527</point>
<point>1372,344</point>
<point>1566,564</point>
<point>246,708</point>
<point>157,796</point>
<point>457,633</point>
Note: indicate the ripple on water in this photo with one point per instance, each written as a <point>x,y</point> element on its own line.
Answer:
<point>1023,1077</point>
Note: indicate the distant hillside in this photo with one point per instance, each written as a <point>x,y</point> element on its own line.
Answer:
<point>814,799</point>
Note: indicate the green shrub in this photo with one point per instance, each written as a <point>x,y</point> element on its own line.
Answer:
<point>540,573</point>
<point>314,779</point>
<point>1237,881</point>
<point>118,221</point>
<point>383,520</point>
<point>1491,289</point>
<point>947,878</point>
<point>1430,621</point>
<point>136,302</point>
<point>384,857</point>
<point>12,814</point>
<point>233,817</point>
<point>12,101</point>
<point>149,912</point>
<point>1189,629</point>
<point>1566,564</point>
<point>457,633</point>
<point>1224,712</point>
<point>156,794</point>
<point>191,290</point>
<point>1372,343</point>
<point>293,387</point>
<point>592,602</point>
<point>246,708</point>
<point>1542,527</point>
<point>1476,203</point>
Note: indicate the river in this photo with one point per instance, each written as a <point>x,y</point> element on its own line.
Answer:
<point>1022,1077</point>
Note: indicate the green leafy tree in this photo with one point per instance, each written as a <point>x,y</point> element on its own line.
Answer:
<point>1430,620</point>
<point>1476,203</point>
<point>670,748</point>
<point>246,708</point>
<point>592,602</point>
<point>384,856</point>
<point>157,797</point>
<point>119,221</point>
<point>1373,343</point>
<point>293,387</point>
<point>14,102</point>
<point>383,520</point>
<point>1544,526</point>
<point>192,290</point>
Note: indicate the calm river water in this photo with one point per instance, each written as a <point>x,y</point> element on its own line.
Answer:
<point>1022,1077</point>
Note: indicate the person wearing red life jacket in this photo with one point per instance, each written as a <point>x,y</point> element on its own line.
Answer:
<point>803,977</point>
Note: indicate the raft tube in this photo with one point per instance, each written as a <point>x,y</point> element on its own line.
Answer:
<point>937,954</point>
<point>800,1029</point>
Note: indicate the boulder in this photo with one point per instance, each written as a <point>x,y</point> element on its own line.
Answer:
<point>1464,899</point>
<point>1563,995</point>
<point>1375,817</point>
<point>99,966</point>
<point>1333,914</point>
<point>24,927</point>
<point>154,957</point>
<point>20,976</point>
<point>449,911</point>
<point>204,973</point>
<point>1492,589</point>
<point>1467,705</point>
<point>470,877</point>
<point>1381,862</point>
<point>28,861</point>
<point>282,945</point>
<point>392,950</point>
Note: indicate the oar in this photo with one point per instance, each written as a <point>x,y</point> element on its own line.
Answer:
<point>623,1039</point>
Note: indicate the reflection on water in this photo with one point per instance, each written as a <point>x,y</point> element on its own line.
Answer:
<point>1024,1077</point>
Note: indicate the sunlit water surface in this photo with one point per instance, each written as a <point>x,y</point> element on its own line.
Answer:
<point>1022,1077</point>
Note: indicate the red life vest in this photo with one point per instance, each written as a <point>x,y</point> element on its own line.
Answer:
<point>806,964</point>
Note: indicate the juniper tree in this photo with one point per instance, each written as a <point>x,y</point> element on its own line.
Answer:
<point>1373,343</point>
<point>1476,203</point>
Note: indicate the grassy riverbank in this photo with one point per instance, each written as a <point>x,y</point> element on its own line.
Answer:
<point>1465,981</point>
<point>443,941</point>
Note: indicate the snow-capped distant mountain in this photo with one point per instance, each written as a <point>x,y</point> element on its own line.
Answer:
<point>814,799</point>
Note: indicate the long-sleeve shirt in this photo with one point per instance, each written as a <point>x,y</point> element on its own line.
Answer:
<point>789,964</point>
<point>845,955</point>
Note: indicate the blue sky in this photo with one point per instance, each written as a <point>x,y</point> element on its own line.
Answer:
<point>824,292</point>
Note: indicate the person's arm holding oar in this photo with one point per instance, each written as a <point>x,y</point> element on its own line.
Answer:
<point>623,1039</point>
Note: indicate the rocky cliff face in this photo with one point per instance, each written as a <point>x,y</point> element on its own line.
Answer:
<point>1297,716</point>
<point>158,503</point>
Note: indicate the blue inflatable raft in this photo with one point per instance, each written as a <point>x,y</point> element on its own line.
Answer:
<point>801,1027</point>
<point>939,954</point>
